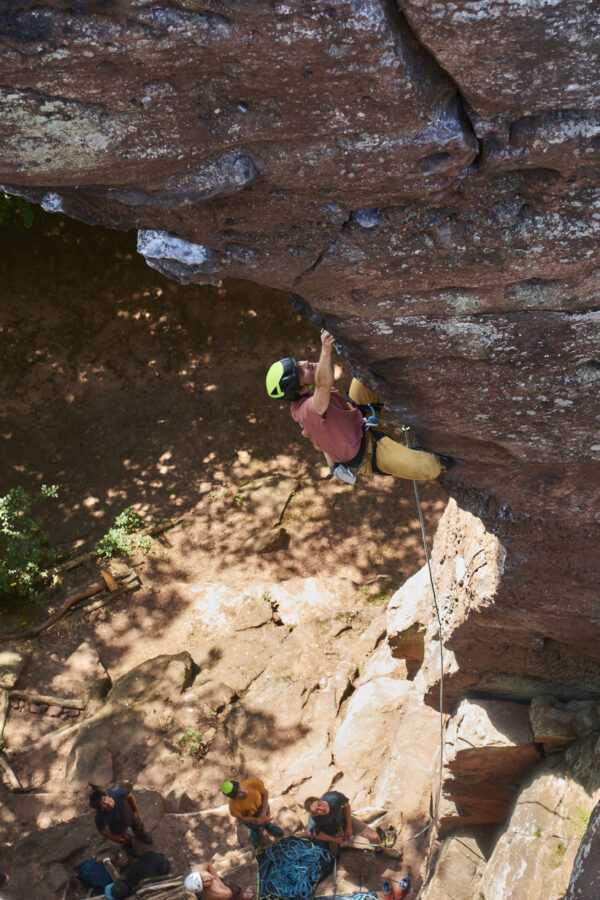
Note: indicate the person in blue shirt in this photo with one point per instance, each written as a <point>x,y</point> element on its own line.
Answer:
<point>331,820</point>
<point>116,812</point>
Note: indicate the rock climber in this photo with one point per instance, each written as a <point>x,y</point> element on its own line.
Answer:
<point>148,865</point>
<point>205,883</point>
<point>249,803</point>
<point>331,820</point>
<point>116,813</point>
<point>338,429</point>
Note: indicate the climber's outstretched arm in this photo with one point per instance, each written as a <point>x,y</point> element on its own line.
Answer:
<point>324,375</point>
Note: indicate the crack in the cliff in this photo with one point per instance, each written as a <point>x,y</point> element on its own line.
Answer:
<point>399,20</point>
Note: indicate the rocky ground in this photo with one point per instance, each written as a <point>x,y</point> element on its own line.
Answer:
<point>126,389</point>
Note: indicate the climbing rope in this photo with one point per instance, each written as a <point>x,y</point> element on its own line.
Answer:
<point>292,868</point>
<point>433,819</point>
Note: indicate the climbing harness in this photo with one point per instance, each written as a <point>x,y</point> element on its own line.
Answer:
<point>347,472</point>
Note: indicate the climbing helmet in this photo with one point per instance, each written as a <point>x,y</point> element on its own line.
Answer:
<point>283,379</point>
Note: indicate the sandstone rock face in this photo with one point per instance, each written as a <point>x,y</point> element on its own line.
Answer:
<point>458,867</point>
<point>489,747</point>
<point>497,635</point>
<point>424,177</point>
<point>533,856</point>
<point>585,879</point>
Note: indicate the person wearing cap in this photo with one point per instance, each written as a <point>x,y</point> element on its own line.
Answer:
<point>331,820</point>
<point>337,428</point>
<point>249,803</point>
<point>207,884</point>
<point>116,813</point>
<point>148,865</point>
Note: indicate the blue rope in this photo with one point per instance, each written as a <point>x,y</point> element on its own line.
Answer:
<point>292,868</point>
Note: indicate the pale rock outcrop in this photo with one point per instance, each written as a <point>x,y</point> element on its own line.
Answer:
<point>408,614</point>
<point>488,748</point>
<point>459,865</point>
<point>362,742</point>
<point>533,856</point>
<point>424,177</point>
<point>585,878</point>
<point>283,724</point>
<point>405,783</point>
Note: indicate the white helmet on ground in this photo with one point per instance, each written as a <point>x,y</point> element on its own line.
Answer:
<point>193,882</point>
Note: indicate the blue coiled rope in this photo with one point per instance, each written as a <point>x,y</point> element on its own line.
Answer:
<point>292,868</point>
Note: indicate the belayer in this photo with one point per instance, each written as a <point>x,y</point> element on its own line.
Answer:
<point>338,428</point>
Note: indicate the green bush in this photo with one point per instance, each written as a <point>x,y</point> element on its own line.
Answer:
<point>16,212</point>
<point>191,740</point>
<point>120,539</point>
<point>25,553</point>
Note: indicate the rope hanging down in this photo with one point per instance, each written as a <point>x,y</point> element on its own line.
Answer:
<point>433,819</point>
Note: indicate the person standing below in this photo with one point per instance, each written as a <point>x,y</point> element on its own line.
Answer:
<point>331,820</point>
<point>206,884</point>
<point>337,428</point>
<point>148,865</point>
<point>116,813</point>
<point>249,804</point>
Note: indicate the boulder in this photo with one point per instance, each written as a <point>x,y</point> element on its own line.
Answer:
<point>365,735</point>
<point>458,866</point>
<point>137,708</point>
<point>534,855</point>
<point>561,722</point>
<point>12,659</point>
<point>277,727</point>
<point>159,677</point>
<point>408,614</point>
<point>83,675</point>
<point>301,599</point>
<point>488,749</point>
<point>404,783</point>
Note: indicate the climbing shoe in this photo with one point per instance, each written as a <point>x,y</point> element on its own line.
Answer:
<point>275,830</point>
<point>387,838</point>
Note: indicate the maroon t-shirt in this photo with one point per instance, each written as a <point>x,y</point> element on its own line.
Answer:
<point>338,432</point>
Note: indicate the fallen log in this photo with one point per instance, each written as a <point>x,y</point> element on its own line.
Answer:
<point>32,697</point>
<point>8,776</point>
<point>90,591</point>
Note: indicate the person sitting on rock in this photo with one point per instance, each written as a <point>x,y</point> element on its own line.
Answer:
<point>116,813</point>
<point>249,804</point>
<point>148,865</point>
<point>338,429</point>
<point>331,820</point>
<point>207,884</point>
